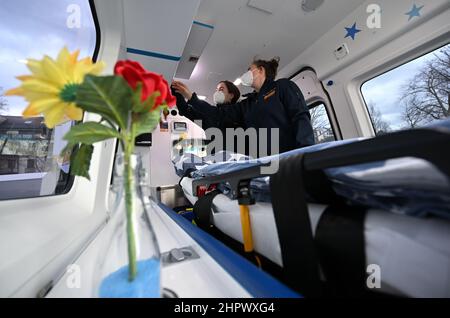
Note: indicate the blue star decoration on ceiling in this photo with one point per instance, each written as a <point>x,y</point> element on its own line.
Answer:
<point>351,32</point>
<point>415,12</point>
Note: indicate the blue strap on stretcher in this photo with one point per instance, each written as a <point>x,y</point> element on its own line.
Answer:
<point>258,283</point>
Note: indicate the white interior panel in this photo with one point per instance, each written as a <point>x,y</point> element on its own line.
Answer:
<point>149,28</point>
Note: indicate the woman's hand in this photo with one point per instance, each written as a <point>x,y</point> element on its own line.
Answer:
<point>182,89</point>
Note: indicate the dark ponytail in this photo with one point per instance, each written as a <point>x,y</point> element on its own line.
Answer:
<point>270,66</point>
<point>232,89</point>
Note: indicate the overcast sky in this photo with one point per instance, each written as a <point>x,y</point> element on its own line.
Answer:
<point>30,29</point>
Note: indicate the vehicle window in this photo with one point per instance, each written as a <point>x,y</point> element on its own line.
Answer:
<point>412,95</point>
<point>30,164</point>
<point>321,124</point>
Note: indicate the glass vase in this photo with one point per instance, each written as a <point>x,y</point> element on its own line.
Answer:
<point>129,263</point>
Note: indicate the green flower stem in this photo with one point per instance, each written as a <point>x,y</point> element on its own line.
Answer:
<point>129,202</point>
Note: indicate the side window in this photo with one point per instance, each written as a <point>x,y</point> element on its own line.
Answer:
<point>323,132</point>
<point>412,95</point>
<point>30,164</point>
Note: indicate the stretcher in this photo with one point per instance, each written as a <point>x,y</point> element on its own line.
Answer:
<point>334,213</point>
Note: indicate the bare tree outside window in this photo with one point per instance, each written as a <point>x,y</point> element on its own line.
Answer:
<point>319,118</point>
<point>321,124</point>
<point>380,125</point>
<point>426,97</point>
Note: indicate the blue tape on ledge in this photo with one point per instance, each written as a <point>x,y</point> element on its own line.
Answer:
<point>153,54</point>
<point>204,25</point>
<point>258,283</point>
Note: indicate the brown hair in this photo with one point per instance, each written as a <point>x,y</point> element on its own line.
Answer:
<point>270,66</point>
<point>232,89</point>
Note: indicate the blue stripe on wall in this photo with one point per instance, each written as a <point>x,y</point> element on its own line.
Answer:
<point>204,25</point>
<point>257,282</point>
<point>153,54</point>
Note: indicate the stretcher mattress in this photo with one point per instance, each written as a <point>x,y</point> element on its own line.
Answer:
<point>412,253</point>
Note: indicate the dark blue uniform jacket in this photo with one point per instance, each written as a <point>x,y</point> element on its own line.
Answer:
<point>279,104</point>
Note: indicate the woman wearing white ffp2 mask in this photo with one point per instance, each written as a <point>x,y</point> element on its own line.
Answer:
<point>226,94</point>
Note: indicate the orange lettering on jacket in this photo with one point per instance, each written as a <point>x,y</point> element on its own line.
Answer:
<point>269,94</point>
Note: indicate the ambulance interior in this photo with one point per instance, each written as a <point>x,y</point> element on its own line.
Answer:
<point>356,63</point>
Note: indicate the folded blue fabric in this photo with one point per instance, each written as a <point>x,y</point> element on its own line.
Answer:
<point>406,186</point>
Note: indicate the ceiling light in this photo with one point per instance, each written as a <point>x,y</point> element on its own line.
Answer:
<point>237,82</point>
<point>201,97</point>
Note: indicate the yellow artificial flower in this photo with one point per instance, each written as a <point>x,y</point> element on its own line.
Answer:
<point>51,88</point>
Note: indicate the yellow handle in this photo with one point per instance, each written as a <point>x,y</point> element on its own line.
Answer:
<point>246,228</point>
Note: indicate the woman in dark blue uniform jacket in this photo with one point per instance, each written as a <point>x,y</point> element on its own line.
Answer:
<point>274,104</point>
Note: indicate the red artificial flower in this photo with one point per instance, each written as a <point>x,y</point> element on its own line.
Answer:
<point>134,73</point>
<point>166,94</point>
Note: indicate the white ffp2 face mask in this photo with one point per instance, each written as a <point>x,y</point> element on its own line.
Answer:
<point>219,98</point>
<point>247,78</point>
